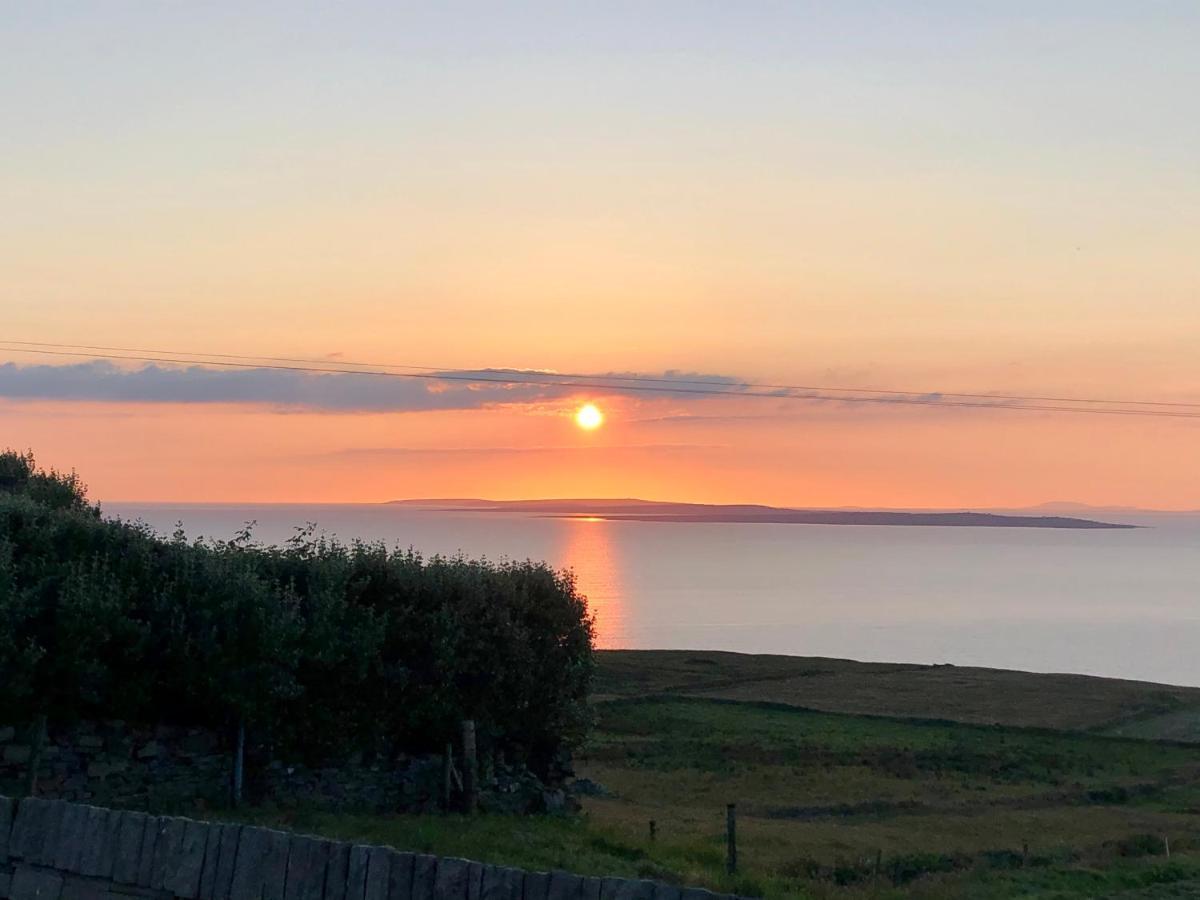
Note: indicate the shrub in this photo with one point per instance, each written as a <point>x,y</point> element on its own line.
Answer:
<point>322,648</point>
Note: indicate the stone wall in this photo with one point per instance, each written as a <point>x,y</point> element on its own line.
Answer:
<point>54,850</point>
<point>114,763</point>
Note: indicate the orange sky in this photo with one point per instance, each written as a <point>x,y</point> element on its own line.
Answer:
<point>749,450</point>
<point>966,198</point>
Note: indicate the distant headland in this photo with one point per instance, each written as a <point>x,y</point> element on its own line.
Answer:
<point>634,510</point>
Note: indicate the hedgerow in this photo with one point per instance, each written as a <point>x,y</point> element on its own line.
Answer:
<point>322,648</point>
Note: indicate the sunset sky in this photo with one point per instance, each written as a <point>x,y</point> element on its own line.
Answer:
<point>946,197</point>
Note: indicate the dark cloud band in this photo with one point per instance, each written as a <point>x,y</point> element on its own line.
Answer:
<point>102,381</point>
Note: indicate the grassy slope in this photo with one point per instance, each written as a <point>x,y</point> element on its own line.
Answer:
<point>958,693</point>
<point>949,808</point>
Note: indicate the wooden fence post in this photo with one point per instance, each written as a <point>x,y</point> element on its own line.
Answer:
<point>447,776</point>
<point>470,767</point>
<point>731,838</point>
<point>239,764</point>
<point>37,747</point>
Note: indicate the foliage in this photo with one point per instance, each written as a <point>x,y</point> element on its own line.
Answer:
<point>321,647</point>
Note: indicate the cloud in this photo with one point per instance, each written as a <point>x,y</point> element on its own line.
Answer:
<point>284,389</point>
<point>405,452</point>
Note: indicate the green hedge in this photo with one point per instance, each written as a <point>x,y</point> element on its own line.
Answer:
<point>322,648</point>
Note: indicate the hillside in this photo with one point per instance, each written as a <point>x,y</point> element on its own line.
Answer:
<point>953,693</point>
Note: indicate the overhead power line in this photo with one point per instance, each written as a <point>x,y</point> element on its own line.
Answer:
<point>623,383</point>
<point>730,386</point>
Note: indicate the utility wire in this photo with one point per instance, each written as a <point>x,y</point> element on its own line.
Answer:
<point>528,378</point>
<point>729,386</point>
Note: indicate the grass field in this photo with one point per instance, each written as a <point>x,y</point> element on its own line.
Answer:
<point>957,693</point>
<point>834,804</point>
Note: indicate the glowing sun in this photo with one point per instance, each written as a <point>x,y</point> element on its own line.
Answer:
<point>588,417</point>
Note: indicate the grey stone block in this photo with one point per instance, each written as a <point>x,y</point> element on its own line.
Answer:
<point>128,850</point>
<point>31,884</point>
<point>226,861</point>
<point>246,883</point>
<point>590,888</point>
<point>112,836</point>
<point>69,845</point>
<point>501,883</point>
<point>452,879</point>
<point>697,894</point>
<point>400,876</point>
<point>424,876</point>
<point>356,872</point>
<point>208,869</point>
<point>183,878</point>
<point>474,880</point>
<point>537,886</point>
<point>6,824</point>
<point>335,873</point>
<point>47,852</point>
<point>84,889</point>
<point>5,884</point>
<point>308,859</point>
<point>379,864</point>
<point>626,889</point>
<point>664,891</point>
<point>26,822</point>
<point>92,856</point>
<point>274,865</point>
<point>35,828</point>
<point>167,850</point>
<point>146,855</point>
<point>564,886</point>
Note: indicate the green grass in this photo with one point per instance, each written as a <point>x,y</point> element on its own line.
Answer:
<point>955,693</point>
<point>949,810</point>
<point>718,735</point>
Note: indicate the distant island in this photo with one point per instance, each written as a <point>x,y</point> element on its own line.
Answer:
<point>633,510</point>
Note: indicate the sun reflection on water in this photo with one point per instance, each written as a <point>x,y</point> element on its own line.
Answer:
<point>589,549</point>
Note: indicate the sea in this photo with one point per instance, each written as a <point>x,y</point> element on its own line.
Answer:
<point>1120,603</point>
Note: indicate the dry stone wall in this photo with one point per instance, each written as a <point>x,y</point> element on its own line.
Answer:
<point>167,767</point>
<point>55,850</point>
<point>119,764</point>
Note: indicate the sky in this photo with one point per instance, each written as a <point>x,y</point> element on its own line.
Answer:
<point>931,197</point>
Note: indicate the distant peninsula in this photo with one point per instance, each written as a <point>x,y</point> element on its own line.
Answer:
<point>633,510</point>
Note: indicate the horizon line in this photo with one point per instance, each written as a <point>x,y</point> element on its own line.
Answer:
<point>1047,506</point>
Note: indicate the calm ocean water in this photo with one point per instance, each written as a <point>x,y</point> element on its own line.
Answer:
<point>1120,603</point>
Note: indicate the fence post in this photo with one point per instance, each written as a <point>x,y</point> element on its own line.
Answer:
<point>37,747</point>
<point>239,763</point>
<point>1167,845</point>
<point>447,775</point>
<point>470,767</point>
<point>653,829</point>
<point>731,838</point>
